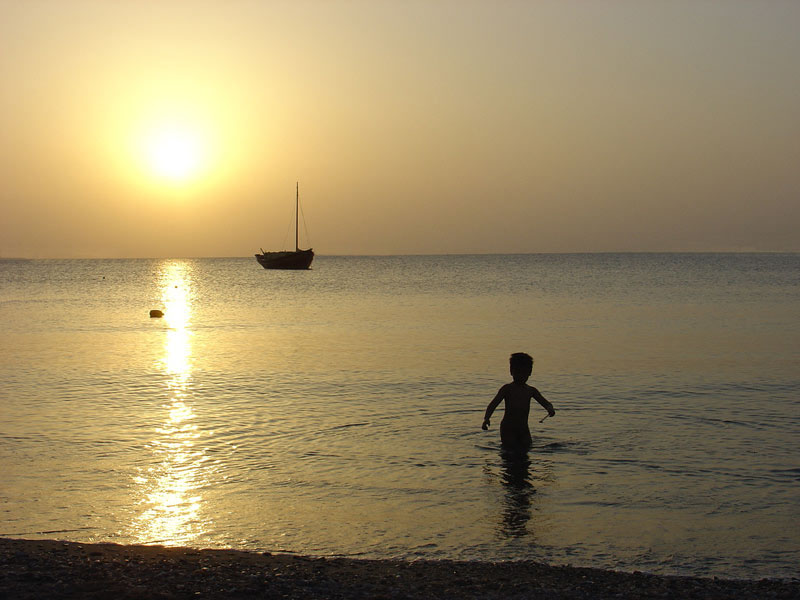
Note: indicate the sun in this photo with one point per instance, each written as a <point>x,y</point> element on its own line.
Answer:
<point>176,148</point>
<point>174,154</point>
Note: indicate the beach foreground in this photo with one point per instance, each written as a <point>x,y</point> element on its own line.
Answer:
<point>56,569</point>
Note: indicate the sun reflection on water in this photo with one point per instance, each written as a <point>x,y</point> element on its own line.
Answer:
<point>170,488</point>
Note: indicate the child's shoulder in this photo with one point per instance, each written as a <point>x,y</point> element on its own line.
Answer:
<point>517,389</point>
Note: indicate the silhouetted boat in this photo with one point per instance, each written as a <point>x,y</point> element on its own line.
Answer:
<point>299,259</point>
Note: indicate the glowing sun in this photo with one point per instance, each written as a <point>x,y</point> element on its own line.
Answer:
<point>174,154</point>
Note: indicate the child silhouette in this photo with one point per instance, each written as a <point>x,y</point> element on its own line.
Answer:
<point>514,432</point>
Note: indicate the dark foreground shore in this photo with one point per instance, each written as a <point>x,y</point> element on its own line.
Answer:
<point>53,569</point>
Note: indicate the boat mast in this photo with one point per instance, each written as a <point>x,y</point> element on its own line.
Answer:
<point>297,217</point>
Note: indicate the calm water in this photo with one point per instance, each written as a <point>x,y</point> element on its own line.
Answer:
<point>338,411</point>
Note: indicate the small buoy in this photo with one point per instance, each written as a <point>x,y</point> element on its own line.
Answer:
<point>155,313</point>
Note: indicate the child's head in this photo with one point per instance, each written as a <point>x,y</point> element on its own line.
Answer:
<point>521,366</point>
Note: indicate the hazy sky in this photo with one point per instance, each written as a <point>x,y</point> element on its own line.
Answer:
<point>179,128</point>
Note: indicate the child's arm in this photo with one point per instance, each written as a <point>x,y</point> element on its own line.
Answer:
<point>490,409</point>
<point>544,402</point>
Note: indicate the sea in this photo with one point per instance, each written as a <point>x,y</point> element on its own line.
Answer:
<point>337,411</point>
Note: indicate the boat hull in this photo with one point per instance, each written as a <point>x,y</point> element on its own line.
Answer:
<point>298,261</point>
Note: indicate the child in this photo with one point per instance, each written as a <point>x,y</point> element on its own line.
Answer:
<point>514,432</point>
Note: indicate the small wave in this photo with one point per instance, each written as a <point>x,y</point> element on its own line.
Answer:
<point>561,447</point>
<point>345,426</point>
<point>49,532</point>
<point>786,474</point>
<point>489,448</point>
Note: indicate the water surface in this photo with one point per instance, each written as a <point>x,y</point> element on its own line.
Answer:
<point>337,411</point>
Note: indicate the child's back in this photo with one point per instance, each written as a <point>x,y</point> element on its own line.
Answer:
<point>514,431</point>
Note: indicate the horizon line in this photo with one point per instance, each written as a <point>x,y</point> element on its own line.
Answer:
<point>388,255</point>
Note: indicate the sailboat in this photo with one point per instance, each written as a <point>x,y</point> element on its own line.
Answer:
<point>299,259</point>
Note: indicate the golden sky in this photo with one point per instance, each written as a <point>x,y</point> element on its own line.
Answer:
<point>159,129</point>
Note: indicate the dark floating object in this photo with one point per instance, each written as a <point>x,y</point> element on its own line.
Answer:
<point>297,260</point>
<point>156,314</point>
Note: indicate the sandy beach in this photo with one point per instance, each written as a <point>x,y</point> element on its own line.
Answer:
<point>55,569</point>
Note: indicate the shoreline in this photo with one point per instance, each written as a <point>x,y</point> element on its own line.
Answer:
<point>70,570</point>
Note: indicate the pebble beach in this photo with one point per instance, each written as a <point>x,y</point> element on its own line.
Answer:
<point>65,570</point>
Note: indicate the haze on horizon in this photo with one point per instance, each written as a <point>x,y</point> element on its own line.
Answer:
<point>134,129</point>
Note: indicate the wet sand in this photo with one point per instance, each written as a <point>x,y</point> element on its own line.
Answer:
<point>54,569</point>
